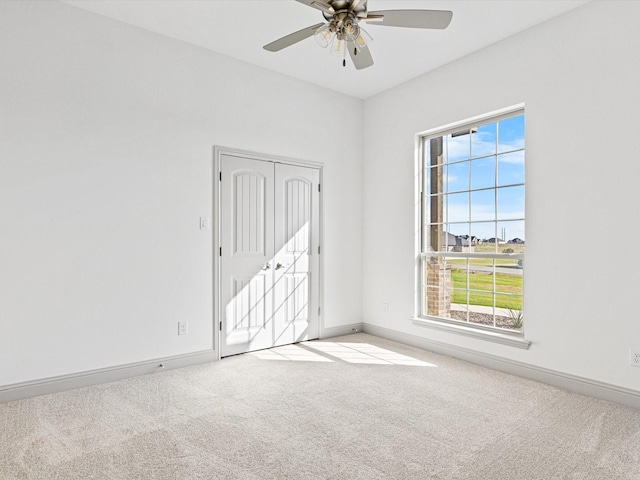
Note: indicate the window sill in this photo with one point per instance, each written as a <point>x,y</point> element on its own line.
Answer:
<point>512,340</point>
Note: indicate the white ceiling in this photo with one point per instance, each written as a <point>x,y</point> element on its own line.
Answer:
<point>239,28</point>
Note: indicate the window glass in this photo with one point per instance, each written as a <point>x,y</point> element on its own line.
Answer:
<point>510,203</point>
<point>457,207</point>
<point>458,177</point>
<point>511,168</point>
<point>483,173</point>
<point>473,261</point>
<point>511,134</point>
<point>483,205</point>
<point>458,148</point>
<point>483,142</point>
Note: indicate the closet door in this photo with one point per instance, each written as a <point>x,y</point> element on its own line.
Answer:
<point>269,265</point>
<point>296,261</point>
<point>246,285</point>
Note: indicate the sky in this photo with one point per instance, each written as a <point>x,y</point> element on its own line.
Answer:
<point>474,165</point>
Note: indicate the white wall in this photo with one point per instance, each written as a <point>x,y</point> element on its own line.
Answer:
<point>106,161</point>
<point>579,78</point>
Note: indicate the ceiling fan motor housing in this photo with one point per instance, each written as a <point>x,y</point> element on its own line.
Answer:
<point>345,6</point>
<point>345,26</point>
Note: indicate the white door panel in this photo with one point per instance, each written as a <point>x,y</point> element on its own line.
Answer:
<point>247,249</point>
<point>296,234</point>
<point>269,224</point>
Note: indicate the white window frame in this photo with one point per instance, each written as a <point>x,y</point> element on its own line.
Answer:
<point>508,337</point>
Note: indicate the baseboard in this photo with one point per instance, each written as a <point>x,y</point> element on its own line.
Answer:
<point>341,330</point>
<point>61,383</point>
<point>573,383</point>
<point>34,388</point>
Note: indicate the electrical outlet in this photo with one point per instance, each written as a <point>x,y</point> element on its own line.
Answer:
<point>183,328</point>
<point>205,223</point>
<point>634,357</point>
<point>385,307</point>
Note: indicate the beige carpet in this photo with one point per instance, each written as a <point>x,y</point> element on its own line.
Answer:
<point>355,407</point>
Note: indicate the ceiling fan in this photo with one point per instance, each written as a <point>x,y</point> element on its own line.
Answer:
<point>342,31</point>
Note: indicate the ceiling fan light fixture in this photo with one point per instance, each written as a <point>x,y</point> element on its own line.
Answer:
<point>324,35</point>
<point>350,30</point>
<point>363,39</point>
<point>338,47</point>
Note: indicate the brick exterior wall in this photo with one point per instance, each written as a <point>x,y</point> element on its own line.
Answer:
<point>438,288</point>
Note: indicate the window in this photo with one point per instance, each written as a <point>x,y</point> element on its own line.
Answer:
<point>473,221</point>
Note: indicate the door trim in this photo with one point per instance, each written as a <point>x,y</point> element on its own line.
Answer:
<point>218,151</point>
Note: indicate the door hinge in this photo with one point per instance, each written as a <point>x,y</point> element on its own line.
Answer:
<point>318,311</point>
<point>220,325</point>
<point>220,176</point>
<point>318,249</point>
<point>220,251</point>
<point>318,187</point>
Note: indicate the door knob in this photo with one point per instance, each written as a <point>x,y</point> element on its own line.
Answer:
<point>266,266</point>
<point>279,266</point>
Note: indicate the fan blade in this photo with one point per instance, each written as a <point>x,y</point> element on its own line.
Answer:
<point>412,18</point>
<point>319,5</point>
<point>361,59</point>
<point>292,38</point>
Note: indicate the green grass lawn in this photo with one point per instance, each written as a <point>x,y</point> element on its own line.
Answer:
<point>505,283</point>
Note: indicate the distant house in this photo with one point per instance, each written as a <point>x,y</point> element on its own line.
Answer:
<point>494,240</point>
<point>517,241</point>
<point>459,243</point>
<point>473,240</point>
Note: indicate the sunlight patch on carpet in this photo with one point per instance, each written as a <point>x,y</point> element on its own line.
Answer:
<point>366,353</point>
<point>292,353</point>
